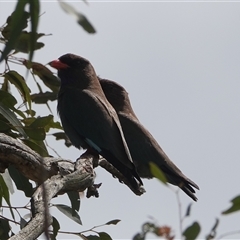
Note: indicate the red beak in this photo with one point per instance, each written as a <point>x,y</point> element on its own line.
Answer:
<point>58,64</point>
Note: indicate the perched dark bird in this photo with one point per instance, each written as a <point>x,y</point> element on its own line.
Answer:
<point>88,118</point>
<point>143,147</point>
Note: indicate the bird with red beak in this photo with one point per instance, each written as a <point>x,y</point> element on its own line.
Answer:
<point>87,117</point>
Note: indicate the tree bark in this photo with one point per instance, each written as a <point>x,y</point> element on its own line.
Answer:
<point>53,176</point>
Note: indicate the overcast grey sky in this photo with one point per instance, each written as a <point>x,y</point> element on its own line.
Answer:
<point>180,63</point>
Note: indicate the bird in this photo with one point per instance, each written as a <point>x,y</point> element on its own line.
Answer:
<point>142,145</point>
<point>88,119</point>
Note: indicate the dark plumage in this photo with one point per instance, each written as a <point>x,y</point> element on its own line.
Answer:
<point>143,147</point>
<point>87,117</point>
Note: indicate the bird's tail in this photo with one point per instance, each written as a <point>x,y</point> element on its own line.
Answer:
<point>186,186</point>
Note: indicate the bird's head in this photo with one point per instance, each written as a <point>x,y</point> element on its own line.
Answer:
<point>116,95</point>
<point>73,69</point>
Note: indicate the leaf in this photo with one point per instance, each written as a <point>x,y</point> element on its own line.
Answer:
<point>92,237</point>
<point>4,127</point>
<point>18,23</point>
<point>104,236</point>
<point>8,180</point>
<point>75,201</point>
<point>62,136</point>
<point>192,231</point>
<point>5,194</point>
<point>37,146</point>
<point>42,98</point>
<point>4,189</point>
<point>30,112</point>
<point>37,129</point>
<point>5,85</point>
<point>188,210</point>
<point>139,236</point>
<point>37,134</point>
<point>7,99</point>
<point>81,19</point>
<point>4,229</point>
<point>8,28</point>
<point>235,206</point>
<point>114,222</point>
<point>23,44</point>
<point>41,122</point>
<point>56,227</point>
<point>48,78</point>
<point>68,212</point>
<point>22,183</point>
<point>34,15</point>
<point>18,81</point>
<point>157,172</point>
<point>23,223</point>
<point>11,117</point>
<point>56,125</point>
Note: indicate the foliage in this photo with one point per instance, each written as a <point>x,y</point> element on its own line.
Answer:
<point>22,121</point>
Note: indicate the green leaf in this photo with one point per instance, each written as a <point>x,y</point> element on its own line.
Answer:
<point>34,15</point>
<point>68,212</point>
<point>188,210</point>
<point>92,237</point>
<point>56,227</point>
<point>37,146</point>
<point>8,28</point>
<point>8,180</point>
<point>7,99</point>
<point>18,23</point>
<point>192,231</point>
<point>42,122</point>
<point>4,127</point>
<point>19,82</point>
<point>104,236</point>
<point>38,128</point>
<point>30,112</point>
<point>235,206</point>
<point>23,44</point>
<point>114,222</point>
<point>23,223</point>
<point>48,78</point>
<point>5,194</point>
<point>42,98</point>
<point>22,183</point>
<point>37,134</point>
<point>4,229</point>
<point>81,19</point>
<point>28,121</point>
<point>4,189</point>
<point>157,172</point>
<point>62,136</point>
<point>5,85</point>
<point>139,236</point>
<point>11,117</point>
<point>75,201</point>
<point>56,125</point>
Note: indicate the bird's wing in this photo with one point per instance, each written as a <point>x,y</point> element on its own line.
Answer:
<point>94,120</point>
<point>144,148</point>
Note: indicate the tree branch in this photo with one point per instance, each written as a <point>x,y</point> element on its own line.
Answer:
<point>54,176</point>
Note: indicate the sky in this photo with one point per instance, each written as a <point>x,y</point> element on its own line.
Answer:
<point>180,63</point>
